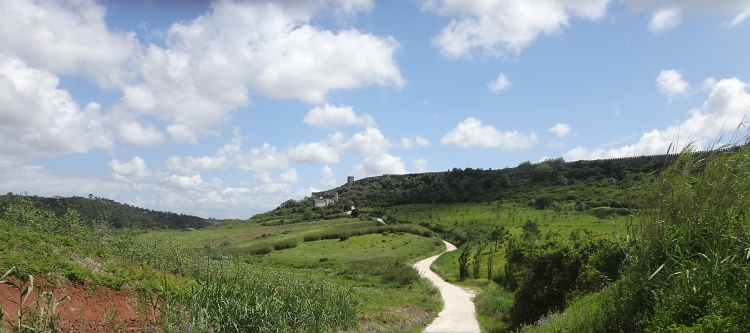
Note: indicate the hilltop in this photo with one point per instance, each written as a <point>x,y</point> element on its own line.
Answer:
<point>117,214</point>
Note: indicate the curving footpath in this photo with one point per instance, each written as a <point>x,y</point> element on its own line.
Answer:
<point>458,315</point>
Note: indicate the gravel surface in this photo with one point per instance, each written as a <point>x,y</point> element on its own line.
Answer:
<point>458,313</point>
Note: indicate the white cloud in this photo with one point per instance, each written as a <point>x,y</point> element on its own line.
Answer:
<point>493,27</point>
<point>380,164</point>
<point>39,120</point>
<point>43,182</point>
<point>708,83</point>
<point>67,37</point>
<point>420,165</point>
<point>561,130</point>
<point>333,117</point>
<point>136,169</point>
<point>289,177</point>
<point>665,19</point>
<point>263,159</point>
<point>134,132</point>
<point>191,183</point>
<point>668,14</point>
<point>724,110</point>
<point>181,133</point>
<point>471,133</point>
<point>212,63</point>
<point>186,166</point>
<point>409,143</point>
<point>326,177</point>
<point>670,83</point>
<point>313,153</point>
<point>368,142</point>
<point>501,83</point>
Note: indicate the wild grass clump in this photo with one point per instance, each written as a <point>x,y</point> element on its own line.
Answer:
<point>285,244</point>
<point>259,249</point>
<point>400,274</point>
<point>688,266</point>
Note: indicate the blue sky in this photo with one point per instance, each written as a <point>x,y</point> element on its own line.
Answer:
<point>228,108</point>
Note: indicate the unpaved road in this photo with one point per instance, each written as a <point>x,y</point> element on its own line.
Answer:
<point>458,313</point>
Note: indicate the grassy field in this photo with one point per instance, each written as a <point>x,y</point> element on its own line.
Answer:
<point>371,265</point>
<point>512,217</point>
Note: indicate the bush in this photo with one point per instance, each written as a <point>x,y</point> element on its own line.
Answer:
<point>259,249</point>
<point>285,244</point>
<point>400,274</point>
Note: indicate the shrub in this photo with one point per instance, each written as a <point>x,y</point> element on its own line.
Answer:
<point>285,244</point>
<point>400,274</point>
<point>259,249</point>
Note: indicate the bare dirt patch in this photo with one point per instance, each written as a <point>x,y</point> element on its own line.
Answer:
<point>87,309</point>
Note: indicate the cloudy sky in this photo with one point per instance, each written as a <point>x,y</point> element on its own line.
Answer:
<point>228,108</point>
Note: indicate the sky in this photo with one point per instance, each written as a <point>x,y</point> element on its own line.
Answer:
<point>228,108</point>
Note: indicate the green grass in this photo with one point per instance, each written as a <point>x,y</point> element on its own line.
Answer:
<point>511,216</point>
<point>375,267</point>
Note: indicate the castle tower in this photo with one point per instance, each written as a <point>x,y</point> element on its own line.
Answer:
<point>350,180</point>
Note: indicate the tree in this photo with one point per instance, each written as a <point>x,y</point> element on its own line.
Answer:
<point>355,213</point>
<point>602,213</point>
<point>531,230</point>
<point>463,263</point>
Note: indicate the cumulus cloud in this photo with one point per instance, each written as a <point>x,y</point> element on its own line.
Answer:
<point>501,83</point>
<point>724,110</point>
<point>136,133</point>
<point>326,177</point>
<point>136,169</point>
<point>471,133</point>
<point>189,165</point>
<point>561,130</point>
<point>333,117</point>
<point>290,177</point>
<point>263,159</point>
<point>192,183</point>
<point>68,37</point>
<point>211,64</point>
<point>181,133</point>
<point>670,83</point>
<point>380,164</point>
<point>420,165</point>
<point>409,143</point>
<point>493,27</point>
<point>40,120</point>
<point>368,142</point>
<point>313,153</point>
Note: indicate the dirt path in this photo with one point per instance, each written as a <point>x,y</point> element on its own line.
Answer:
<point>458,313</point>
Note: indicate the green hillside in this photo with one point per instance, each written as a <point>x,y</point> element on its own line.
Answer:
<point>117,214</point>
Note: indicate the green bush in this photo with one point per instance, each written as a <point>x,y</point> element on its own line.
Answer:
<point>285,244</point>
<point>259,249</point>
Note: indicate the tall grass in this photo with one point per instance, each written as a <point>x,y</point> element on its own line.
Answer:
<point>689,262</point>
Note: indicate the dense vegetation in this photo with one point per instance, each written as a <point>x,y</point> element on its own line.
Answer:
<point>688,265</point>
<point>552,184</point>
<point>118,215</point>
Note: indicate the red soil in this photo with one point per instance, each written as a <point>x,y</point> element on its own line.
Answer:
<point>87,309</point>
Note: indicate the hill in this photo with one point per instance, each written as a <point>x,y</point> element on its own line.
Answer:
<point>552,184</point>
<point>117,214</point>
